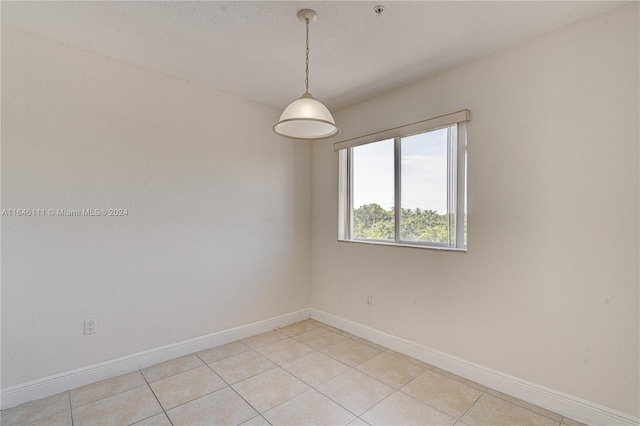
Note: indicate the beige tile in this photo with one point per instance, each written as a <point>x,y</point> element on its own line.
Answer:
<point>35,410</point>
<point>445,394</point>
<point>120,409</point>
<point>570,422</point>
<point>105,388</point>
<point>171,367</point>
<point>525,404</point>
<point>298,328</point>
<point>320,338</point>
<point>392,370</point>
<point>270,388</point>
<point>309,408</point>
<point>60,419</point>
<point>355,391</point>
<point>222,352</point>
<point>338,331</point>
<point>457,378</point>
<point>284,351</point>
<point>184,387</point>
<point>264,339</point>
<point>369,343</point>
<point>400,409</point>
<point>351,352</point>
<point>157,420</point>
<point>223,407</point>
<point>243,366</point>
<point>315,368</point>
<point>256,421</point>
<point>409,359</point>
<point>495,411</point>
<point>316,322</point>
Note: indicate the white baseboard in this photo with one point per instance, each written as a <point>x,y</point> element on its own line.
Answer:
<point>558,402</point>
<point>42,388</point>
<point>566,405</point>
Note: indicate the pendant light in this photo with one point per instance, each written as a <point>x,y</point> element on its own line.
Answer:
<point>306,118</point>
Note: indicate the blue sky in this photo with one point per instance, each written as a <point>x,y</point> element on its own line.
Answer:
<point>424,172</point>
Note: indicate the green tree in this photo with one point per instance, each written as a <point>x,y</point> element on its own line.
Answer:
<point>371,221</point>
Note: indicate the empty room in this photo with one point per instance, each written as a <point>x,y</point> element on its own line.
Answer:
<point>320,213</point>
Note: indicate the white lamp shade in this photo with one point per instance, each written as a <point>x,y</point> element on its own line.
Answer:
<point>306,118</point>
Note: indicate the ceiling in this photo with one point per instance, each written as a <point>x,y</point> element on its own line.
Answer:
<point>255,49</point>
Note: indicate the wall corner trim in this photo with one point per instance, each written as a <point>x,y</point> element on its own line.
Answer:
<point>47,386</point>
<point>558,402</point>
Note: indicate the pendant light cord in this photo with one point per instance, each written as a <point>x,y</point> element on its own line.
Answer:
<point>306,80</point>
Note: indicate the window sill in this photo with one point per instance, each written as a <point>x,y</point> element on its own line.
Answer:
<point>404,244</point>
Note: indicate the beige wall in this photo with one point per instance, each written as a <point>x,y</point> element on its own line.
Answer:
<point>548,290</point>
<point>218,228</point>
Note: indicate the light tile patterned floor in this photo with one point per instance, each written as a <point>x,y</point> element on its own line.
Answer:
<point>304,374</point>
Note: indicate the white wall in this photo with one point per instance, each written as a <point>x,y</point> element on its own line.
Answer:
<point>548,290</point>
<point>218,228</point>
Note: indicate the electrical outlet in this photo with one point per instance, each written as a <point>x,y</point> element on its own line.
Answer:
<point>369,298</point>
<point>91,326</point>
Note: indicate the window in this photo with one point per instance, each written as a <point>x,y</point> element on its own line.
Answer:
<point>406,186</point>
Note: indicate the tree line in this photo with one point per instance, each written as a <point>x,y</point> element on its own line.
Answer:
<point>374,222</point>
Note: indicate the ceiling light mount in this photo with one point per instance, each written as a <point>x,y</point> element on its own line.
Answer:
<point>306,118</point>
<point>307,15</point>
<point>378,10</point>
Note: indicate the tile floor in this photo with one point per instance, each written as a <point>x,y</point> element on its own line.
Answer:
<point>307,373</point>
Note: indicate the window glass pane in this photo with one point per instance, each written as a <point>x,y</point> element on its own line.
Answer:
<point>424,187</point>
<point>373,189</point>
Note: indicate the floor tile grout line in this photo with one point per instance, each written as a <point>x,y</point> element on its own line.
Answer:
<point>321,352</point>
<point>272,360</point>
<point>346,371</point>
<point>173,374</point>
<point>482,392</point>
<point>288,399</point>
<point>3,413</point>
<point>256,416</point>
<point>222,359</point>
<point>321,383</point>
<point>379,402</point>
<point>387,384</point>
<point>399,389</point>
<point>70,407</point>
<point>246,378</point>
<point>395,390</point>
<point>157,399</point>
<point>310,387</point>
<point>528,409</point>
<point>207,394</point>
<point>456,419</point>
<point>464,381</point>
<point>111,395</point>
<point>339,404</point>
<point>238,393</point>
<point>471,406</point>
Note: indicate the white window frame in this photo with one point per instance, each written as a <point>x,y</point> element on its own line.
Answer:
<point>456,181</point>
